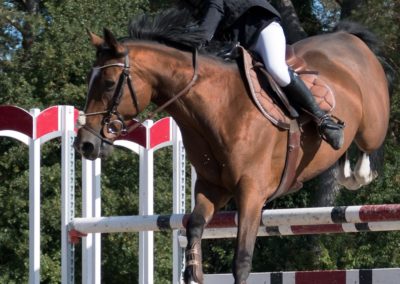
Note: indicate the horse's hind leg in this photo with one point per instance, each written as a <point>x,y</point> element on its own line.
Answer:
<point>363,173</point>
<point>208,200</point>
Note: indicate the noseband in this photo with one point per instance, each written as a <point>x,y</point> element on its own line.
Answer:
<point>113,128</point>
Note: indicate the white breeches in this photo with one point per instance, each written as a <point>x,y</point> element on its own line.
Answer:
<point>271,46</point>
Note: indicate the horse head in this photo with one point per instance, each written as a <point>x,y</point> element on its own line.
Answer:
<point>111,102</point>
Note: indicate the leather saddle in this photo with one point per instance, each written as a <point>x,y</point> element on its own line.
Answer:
<point>269,97</point>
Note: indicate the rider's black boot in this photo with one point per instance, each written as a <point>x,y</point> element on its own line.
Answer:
<point>300,95</point>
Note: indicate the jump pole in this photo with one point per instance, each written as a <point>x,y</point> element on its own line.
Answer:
<point>353,276</point>
<point>146,206</point>
<point>282,222</point>
<point>388,214</point>
<point>179,202</point>
<point>34,202</point>
<point>68,119</point>
<point>91,207</point>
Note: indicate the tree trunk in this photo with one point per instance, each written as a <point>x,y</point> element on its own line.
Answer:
<point>348,6</point>
<point>290,21</point>
<point>31,7</point>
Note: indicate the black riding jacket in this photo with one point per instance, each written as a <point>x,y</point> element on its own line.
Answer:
<point>236,20</point>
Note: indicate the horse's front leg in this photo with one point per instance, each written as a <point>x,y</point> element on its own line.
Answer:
<point>209,199</point>
<point>250,202</point>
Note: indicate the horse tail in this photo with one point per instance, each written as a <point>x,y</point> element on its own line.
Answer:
<point>377,158</point>
<point>375,44</point>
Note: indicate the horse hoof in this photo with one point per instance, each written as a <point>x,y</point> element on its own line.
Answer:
<point>193,278</point>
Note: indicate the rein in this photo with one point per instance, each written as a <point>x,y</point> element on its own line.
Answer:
<point>114,128</point>
<point>175,97</point>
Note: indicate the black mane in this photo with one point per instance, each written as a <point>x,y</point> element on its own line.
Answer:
<point>171,27</point>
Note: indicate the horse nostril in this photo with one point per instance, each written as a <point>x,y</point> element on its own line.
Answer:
<point>87,148</point>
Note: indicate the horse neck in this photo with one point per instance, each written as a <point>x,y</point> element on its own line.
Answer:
<point>166,70</point>
<point>170,70</point>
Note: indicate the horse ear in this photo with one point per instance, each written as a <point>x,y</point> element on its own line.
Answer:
<point>95,39</point>
<point>113,43</point>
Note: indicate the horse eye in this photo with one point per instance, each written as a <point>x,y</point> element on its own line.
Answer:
<point>109,85</point>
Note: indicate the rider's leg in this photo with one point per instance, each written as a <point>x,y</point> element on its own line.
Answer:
<point>271,46</point>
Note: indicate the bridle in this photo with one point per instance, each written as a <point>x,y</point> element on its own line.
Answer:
<point>116,127</point>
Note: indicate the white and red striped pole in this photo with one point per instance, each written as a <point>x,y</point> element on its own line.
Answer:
<point>353,276</point>
<point>324,217</point>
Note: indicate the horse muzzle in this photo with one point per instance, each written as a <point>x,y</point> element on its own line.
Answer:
<point>91,146</point>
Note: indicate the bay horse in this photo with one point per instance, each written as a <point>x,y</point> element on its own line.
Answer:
<point>236,152</point>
